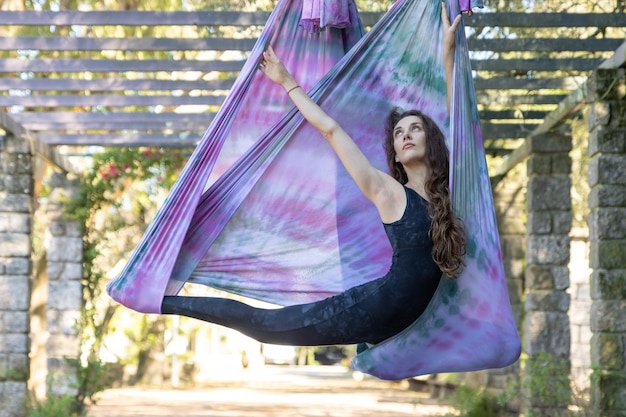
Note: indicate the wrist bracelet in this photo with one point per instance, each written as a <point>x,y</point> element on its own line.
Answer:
<point>292,88</point>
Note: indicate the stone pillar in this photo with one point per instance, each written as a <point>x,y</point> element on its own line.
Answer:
<point>607,239</point>
<point>509,200</point>
<point>16,208</point>
<point>64,246</point>
<point>546,327</point>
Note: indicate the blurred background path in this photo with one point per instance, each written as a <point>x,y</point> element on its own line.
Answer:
<point>274,391</point>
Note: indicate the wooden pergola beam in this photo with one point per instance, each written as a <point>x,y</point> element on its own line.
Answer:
<point>544,45</point>
<point>112,84</point>
<point>67,43</point>
<point>110,100</point>
<point>225,18</point>
<point>38,147</point>
<point>68,65</point>
<point>171,140</point>
<point>63,43</point>
<point>570,105</point>
<point>536,64</point>
<point>59,83</point>
<point>105,132</point>
<point>119,84</point>
<point>65,65</point>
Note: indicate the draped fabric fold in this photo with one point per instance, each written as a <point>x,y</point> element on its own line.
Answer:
<point>252,107</point>
<point>469,324</point>
<point>281,220</point>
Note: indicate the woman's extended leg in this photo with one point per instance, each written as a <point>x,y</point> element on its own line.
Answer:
<point>328,322</point>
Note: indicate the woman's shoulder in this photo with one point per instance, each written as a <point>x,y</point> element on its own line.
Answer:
<point>415,195</point>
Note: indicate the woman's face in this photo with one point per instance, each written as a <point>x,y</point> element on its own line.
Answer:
<point>409,140</point>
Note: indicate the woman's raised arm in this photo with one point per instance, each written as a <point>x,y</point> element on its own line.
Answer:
<point>449,44</point>
<point>377,186</point>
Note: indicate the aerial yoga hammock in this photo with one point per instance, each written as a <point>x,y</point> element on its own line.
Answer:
<point>264,209</point>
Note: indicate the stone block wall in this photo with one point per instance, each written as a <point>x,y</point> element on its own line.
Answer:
<point>16,208</point>
<point>546,332</point>
<point>510,204</point>
<point>607,240</point>
<point>510,200</point>
<point>64,255</point>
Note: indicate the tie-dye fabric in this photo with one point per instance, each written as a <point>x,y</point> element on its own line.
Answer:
<point>286,224</point>
<point>252,107</point>
<point>320,14</point>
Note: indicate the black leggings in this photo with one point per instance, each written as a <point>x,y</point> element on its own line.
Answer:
<point>332,321</point>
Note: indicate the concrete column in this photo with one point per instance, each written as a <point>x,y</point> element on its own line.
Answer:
<point>546,326</point>
<point>64,246</point>
<point>16,208</point>
<point>607,240</point>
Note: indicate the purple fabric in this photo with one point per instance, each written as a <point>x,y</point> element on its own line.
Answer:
<point>319,14</point>
<point>283,222</point>
<point>256,104</point>
<point>467,6</point>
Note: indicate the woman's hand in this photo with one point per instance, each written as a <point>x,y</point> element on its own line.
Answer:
<point>275,70</point>
<point>449,31</point>
<point>449,44</point>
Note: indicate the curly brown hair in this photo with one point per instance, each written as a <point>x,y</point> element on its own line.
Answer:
<point>446,230</point>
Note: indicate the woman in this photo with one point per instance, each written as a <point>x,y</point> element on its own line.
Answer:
<point>414,206</point>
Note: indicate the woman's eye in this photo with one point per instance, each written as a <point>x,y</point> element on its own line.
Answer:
<point>398,133</point>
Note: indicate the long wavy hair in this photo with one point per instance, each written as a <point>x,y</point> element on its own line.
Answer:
<point>446,230</point>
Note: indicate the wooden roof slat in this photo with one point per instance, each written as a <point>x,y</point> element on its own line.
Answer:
<point>118,84</point>
<point>120,126</point>
<point>62,117</point>
<point>206,18</point>
<point>568,106</point>
<point>151,140</point>
<point>538,64</point>
<point>38,147</point>
<point>545,20</point>
<point>503,132</point>
<point>67,65</point>
<point>499,83</point>
<point>544,44</point>
<point>618,59</point>
<point>512,114</point>
<point>182,139</point>
<point>111,84</point>
<point>109,100</point>
<point>59,117</point>
<point>496,98</point>
<point>508,83</point>
<point>65,43</point>
<point>132,18</point>
<point>60,43</point>
<point>154,65</point>
<point>503,129</point>
<point>123,100</point>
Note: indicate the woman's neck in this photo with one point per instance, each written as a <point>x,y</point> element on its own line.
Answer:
<point>417,176</point>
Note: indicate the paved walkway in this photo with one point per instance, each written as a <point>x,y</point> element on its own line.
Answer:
<point>274,392</point>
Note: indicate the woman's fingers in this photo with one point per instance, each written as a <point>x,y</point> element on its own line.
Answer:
<point>456,22</point>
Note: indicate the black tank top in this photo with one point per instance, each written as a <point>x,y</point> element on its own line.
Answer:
<point>403,294</point>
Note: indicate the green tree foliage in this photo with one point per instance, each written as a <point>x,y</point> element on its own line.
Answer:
<point>119,196</point>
